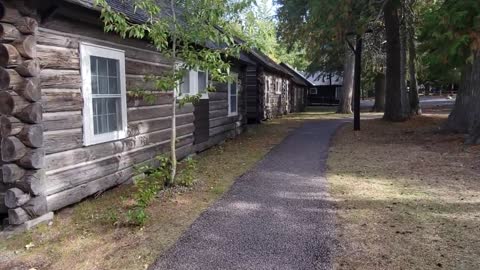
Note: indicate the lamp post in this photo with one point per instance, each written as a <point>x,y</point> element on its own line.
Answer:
<point>357,50</point>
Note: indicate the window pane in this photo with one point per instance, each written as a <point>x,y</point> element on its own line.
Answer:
<point>94,84</point>
<point>202,82</point>
<point>102,66</point>
<point>233,88</point>
<point>113,85</point>
<point>102,85</point>
<point>93,65</point>
<point>105,75</point>
<point>185,86</point>
<point>106,115</point>
<point>113,67</point>
<point>233,104</point>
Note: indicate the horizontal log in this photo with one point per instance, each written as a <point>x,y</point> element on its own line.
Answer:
<point>9,56</point>
<point>221,121</point>
<point>62,140</point>
<point>26,25</point>
<point>17,216</point>
<point>75,194</point>
<point>45,37</point>
<point>151,112</point>
<point>31,114</point>
<point>32,182</point>
<point>53,57</point>
<point>138,67</point>
<point>86,172</point>
<point>218,105</point>
<point>31,135</point>
<point>27,46</point>
<point>13,104</point>
<point>217,96</point>
<point>33,159</point>
<point>151,132</point>
<point>60,79</point>
<point>148,112</point>
<point>35,207</point>
<point>147,126</point>
<point>15,197</point>
<point>4,79</point>
<point>222,129</point>
<point>57,100</point>
<point>62,120</point>
<point>12,149</point>
<point>30,89</point>
<point>10,173</point>
<point>218,113</point>
<point>9,33</point>
<point>159,98</point>
<point>134,48</point>
<point>29,68</point>
<point>5,126</point>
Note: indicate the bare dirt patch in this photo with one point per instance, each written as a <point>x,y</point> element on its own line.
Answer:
<point>407,197</point>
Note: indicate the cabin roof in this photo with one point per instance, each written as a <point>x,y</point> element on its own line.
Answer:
<point>298,78</point>
<point>321,78</point>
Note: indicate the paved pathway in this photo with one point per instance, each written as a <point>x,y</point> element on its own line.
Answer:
<point>276,216</point>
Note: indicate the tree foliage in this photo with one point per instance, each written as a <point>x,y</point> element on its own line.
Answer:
<point>259,26</point>
<point>192,34</point>
<point>450,34</point>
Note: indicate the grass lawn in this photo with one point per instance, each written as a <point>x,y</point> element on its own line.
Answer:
<point>406,196</point>
<point>84,237</point>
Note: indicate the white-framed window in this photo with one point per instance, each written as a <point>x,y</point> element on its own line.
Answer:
<point>104,94</point>
<point>194,82</point>
<point>313,91</point>
<point>278,87</point>
<point>233,96</point>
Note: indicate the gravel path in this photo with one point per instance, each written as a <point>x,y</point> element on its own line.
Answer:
<point>276,216</point>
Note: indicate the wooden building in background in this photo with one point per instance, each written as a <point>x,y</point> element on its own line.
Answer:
<point>325,88</point>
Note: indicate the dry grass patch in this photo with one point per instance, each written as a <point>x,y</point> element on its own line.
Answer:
<point>407,197</point>
<point>84,237</point>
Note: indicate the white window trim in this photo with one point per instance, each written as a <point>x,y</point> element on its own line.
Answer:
<point>278,86</point>
<point>193,80</point>
<point>230,113</point>
<point>313,91</point>
<point>87,50</point>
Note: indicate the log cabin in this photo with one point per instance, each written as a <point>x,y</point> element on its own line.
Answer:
<point>269,89</point>
<point>69,126</point>
<point>325,88</point>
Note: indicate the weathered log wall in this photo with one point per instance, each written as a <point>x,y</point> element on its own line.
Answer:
<point>276,100</point>
<point>22,152</point>
<point>222,125</point>
<point>98,167</point>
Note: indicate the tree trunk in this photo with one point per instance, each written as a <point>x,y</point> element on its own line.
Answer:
<point>346,95</point>
<point>173,138</point>
<point>465,117</point>
<point>393,94</point>
<point>412,56</point>
<point>379,105</point>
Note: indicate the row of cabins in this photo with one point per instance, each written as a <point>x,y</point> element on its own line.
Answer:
<point>70,129</point>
